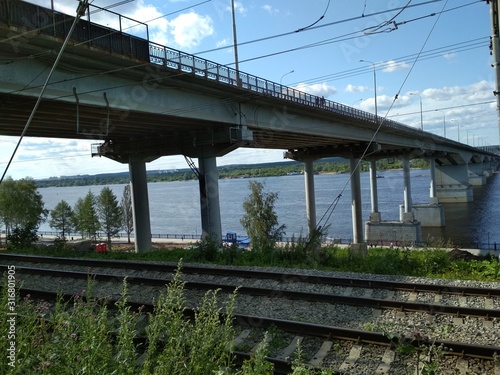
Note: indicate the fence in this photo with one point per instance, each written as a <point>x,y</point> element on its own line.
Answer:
<point>482,245</point>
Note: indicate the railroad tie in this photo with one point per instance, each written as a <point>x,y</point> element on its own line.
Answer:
<point>354,355</point>
<point>462,366</point>
<point>488,304</point>
<point>242,337</point>
<point>412,297</point>
<point>488,323</point>
<point>290,349</point>
<point>348,291</point>
<point>462,301</point>
<point>438,298</point>
<point>368,293</point>
<point>458,321</point>
<point>390,295</point>
<point>387,360</point>
<point>318,358</point>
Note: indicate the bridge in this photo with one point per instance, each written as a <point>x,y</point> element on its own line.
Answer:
<point>142,100</point>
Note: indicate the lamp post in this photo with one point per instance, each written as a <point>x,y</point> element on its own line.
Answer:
<point>444,125</point>
<point>421,114</point>
<point>235,46</point>
<point>458,129</point>
<point>281,79</point>
<point>374,86</point>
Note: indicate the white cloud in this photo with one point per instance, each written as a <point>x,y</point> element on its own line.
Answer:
<point>393,66</point>
<point>238,8</point>
<point>270,9</point>
<point>318,89</point>
<point>450,56</point>
<point>354,88</point>
<point>190,29</point>
<point>222,43</point>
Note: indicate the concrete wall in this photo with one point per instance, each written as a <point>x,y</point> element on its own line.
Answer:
<point>393,231</point>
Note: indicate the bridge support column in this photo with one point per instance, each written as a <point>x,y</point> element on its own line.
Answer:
<point>374,215</point>
<point>357,246</point>
<point>432,187</point>
<point>140,205</point>
<point>310,195</point>
<point>209,198</point>
<point>407,213</point>
<point>432,214</point>
<point>452,183</point>
<point>477,177</point>
<point>405,231</point>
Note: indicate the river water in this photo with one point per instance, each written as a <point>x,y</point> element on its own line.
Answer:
<point>174,206</point>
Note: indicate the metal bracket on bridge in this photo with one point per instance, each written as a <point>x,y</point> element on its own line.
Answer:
<point>94,132</point>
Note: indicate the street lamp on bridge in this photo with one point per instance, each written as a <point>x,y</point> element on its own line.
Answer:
<point>281,79</point>
<point>374,86</point>
<point>421,114</point>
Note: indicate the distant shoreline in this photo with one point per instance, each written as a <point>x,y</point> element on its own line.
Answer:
<point>329,166</point>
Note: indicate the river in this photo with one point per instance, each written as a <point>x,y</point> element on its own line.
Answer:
<point>174,206</point>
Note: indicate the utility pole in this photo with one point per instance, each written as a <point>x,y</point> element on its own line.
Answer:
<point>235,46</point>
<point>495,50</point>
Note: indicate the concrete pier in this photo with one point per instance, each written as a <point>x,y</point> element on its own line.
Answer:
<point>357,246</point>
<point>310,195</point>
<point>452,183</point>
<point>375,216</point>
<point>209,198</point>
<point>408,229</point>
<point>140,204</point>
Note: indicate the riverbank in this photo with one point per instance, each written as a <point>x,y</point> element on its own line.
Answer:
<point>183,242</point>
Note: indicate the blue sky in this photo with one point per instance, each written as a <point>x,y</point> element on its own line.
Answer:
<point>434,52</point>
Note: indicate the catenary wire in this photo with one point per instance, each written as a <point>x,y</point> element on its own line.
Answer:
<point>360,159</point>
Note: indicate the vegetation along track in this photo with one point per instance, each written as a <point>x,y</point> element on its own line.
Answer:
<point>319,310</point>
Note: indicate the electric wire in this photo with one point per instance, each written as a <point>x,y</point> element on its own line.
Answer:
<point>82,6</point>
<point>361,158</point>
<point>315,22</point>
<point>337,39</point>
<point>375,29</point>
<point>345,20</point>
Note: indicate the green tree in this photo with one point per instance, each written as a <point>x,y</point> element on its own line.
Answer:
<point>260,219</point>
<point>127,215</point>
<point>21,205</point>
<point>110,213</point>
<point>85,217</point>
<point>61,218</point>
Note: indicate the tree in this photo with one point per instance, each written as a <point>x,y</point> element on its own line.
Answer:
<point>127,215</point>
<point>85,217</point>
<point>110,213</point>
<point>260,219</point>
<point>21,206</point>
<point>61,218</point>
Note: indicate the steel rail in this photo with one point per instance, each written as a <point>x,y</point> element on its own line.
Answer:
<point>267,275</point>
<point>375,303</point>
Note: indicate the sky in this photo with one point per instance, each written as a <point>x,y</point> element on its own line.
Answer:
<point>430,59</point>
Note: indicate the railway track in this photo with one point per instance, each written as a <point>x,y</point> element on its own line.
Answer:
<point>340,344</point>
<point>348,345</point>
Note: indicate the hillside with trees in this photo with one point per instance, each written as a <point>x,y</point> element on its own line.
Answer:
<point>332,165</point>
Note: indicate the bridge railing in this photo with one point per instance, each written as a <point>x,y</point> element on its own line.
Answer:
<point>190,64</point>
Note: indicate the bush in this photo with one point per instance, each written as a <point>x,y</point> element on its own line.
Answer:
<point>23,237</point>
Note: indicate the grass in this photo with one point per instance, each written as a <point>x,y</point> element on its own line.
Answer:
<point>428,262</point>
<point>83,336</point>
